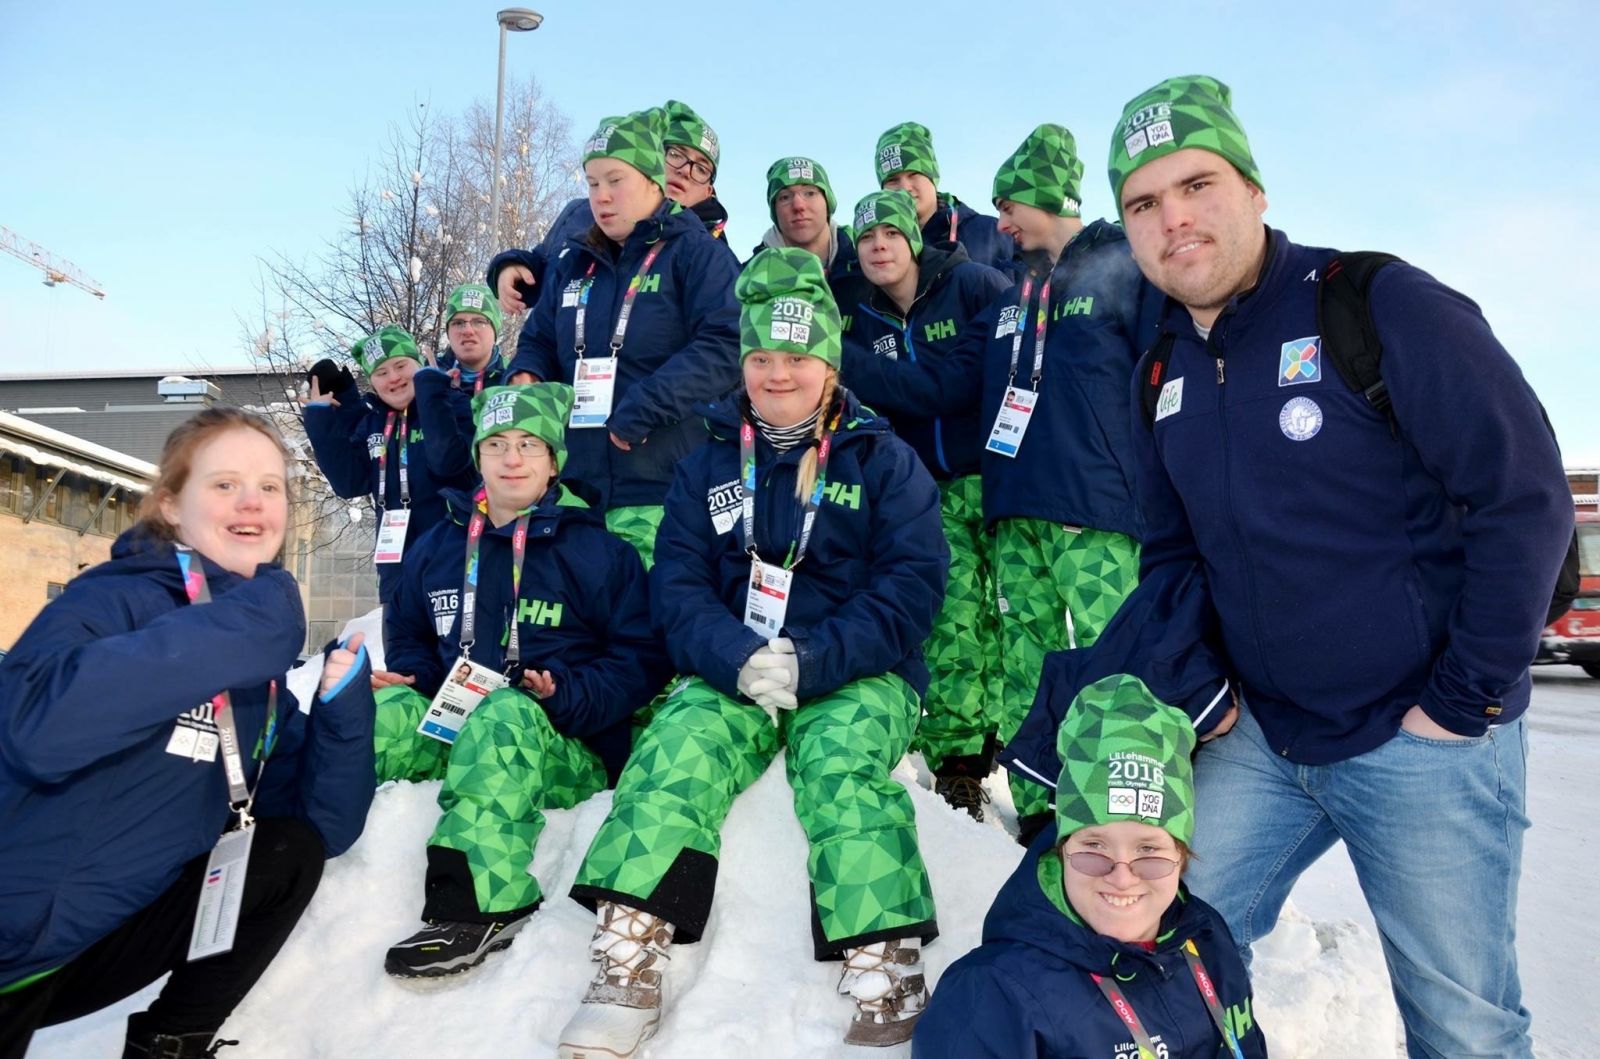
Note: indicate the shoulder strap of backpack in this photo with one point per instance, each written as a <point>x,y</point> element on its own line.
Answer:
<point>1150,392</point>
<point>1344,322</point>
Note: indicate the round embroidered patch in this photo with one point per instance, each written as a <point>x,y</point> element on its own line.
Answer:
<point>1300,419</point>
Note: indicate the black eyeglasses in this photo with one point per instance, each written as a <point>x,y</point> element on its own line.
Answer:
<point>679,159</point>
<point>1097,865</point>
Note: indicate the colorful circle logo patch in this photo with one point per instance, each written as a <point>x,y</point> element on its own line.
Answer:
<point>1300,419</point>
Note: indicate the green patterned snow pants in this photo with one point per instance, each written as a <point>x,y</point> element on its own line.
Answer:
<point>637,526</point>
<point>965,691</point>
<point>507,764</point>
<point>1057,587</point>
<point>657,850</point>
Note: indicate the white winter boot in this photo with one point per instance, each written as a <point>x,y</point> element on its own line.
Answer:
<point>623,1004</point>
<point>885,980</point>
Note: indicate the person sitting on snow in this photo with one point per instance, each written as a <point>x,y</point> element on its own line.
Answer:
<point>798,570</point>
<point>562,680</point>
<point>470,364</point>
<point>1094,946</point>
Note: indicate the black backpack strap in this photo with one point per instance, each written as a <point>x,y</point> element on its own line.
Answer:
<point>1344,322</point>
<point>1158,358</point>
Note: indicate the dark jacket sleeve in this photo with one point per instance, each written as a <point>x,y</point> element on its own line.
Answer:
<point>536,344</point>
<point>893,613</point>
<point>531,259</point>
<point>1477,427</point>
<point>77,662</point>
<point>535,259</point>
<point>410,638</point>
<point>321,770</point>
<point>981,1012</point>
<point>338,442</point>
<point>598,694</point>
<point>702,635</point>
<point>445,412</point>
<point>704,369</point>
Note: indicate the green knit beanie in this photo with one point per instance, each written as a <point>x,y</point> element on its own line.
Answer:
<point>689,129</point>
<point>907,146</point>
<point>787,172</point>
<point>1125,756</point>
<point>540,409</point>
<point>474,298</point>
<point>895,208</point>
<point>1194,111</point>
<point>635,139</point>
<point>385,343</point>
<point>1044,172</point>
<point>785,305</point>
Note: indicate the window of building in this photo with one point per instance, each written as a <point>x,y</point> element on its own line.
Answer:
<point>52,590</point>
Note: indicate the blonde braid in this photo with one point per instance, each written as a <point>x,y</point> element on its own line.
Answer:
<point>806,478</point>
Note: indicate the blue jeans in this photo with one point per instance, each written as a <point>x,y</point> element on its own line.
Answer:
<point>1434,829</point>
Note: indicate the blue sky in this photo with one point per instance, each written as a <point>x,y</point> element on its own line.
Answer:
<point>164,147</point>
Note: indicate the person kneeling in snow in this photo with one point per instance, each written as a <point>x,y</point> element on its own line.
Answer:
<point>1093,944</point>
<point>798,569</point>
<point>541,720</point>
<point>155,773</point>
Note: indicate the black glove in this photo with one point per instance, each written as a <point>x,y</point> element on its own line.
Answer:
<point>526,292</point>
<point>331,377</point>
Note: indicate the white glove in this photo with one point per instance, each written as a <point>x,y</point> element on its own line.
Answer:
<point>756,679</point>
<point>771,676</point>
<point>778,658</point>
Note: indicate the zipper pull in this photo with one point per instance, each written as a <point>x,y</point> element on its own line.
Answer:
<point>1220,375</point>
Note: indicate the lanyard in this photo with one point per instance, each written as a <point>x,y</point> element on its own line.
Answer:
<point>240,795</point>
<point>621,327</point>
<point>747,460</point>
<point>1208,992</point>
<point>469,586</point>
<point>1039,329</point>
<point>955,219</point>
<point>383,463</point>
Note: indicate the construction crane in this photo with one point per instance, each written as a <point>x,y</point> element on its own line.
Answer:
<point>55,269</point>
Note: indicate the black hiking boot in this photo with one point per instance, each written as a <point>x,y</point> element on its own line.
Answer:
<point>443,947</point>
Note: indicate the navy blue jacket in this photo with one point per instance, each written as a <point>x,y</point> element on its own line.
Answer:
<point>1357,573</point>
<point>681,349</point>
<point>97,820</point>
<point>915,368</point>
<point>979,233</point>
<point>347,440</point>
<point>1074,466</point>
<point>1165,634</point>
<point>584,615</point>
<point>444,408</point>
<point>1026,991</point>
<point>574,221</point>
<point>867,590</point>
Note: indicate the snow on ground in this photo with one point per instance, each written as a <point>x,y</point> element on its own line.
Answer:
<point>751,987</point>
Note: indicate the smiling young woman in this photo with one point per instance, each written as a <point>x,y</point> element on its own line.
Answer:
<point>1097,919</point>
<point>796,615</point>
<point>130,708</point>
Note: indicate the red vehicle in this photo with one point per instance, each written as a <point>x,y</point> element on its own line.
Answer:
<point>1575,636</point>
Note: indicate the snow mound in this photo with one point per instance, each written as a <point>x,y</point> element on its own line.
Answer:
<point>750,988</point>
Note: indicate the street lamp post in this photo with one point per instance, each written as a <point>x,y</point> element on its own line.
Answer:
<point>517,20</point>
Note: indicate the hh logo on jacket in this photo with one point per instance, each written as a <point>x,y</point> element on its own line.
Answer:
<point>538,612</point>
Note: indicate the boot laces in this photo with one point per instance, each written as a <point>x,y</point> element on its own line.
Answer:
<point>630,946</point>
<point>884,979</point>
<point>963,792</point>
